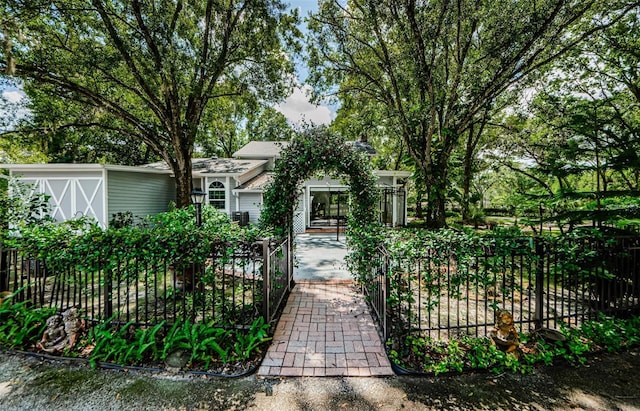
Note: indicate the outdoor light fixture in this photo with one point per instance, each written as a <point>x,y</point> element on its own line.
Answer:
<point>197,197</point>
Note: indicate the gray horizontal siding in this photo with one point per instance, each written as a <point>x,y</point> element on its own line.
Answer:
<point>251,202</point>
<point>142,194</point>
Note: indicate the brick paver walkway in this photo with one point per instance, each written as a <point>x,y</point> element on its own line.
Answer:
<point>326,329</point>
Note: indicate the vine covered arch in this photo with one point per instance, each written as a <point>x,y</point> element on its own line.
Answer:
<point>319,150</point>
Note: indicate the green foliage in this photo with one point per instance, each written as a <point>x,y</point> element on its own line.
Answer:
<point>20,325</point>
<point>578,255</point>
<point>612,334</point>
<point>247,344</point>
<point>204,343</point>
<point>319,150</point>
<point>22,206</point>
<point>165,237</point>
<point>121,219</point>
<point>145,74</point>
<point>428,355</point>
<point>124,345</point>
<point>200,340</point>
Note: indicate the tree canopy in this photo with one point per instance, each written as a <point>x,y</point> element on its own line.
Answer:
<point>436,66</point>
<point>148,72</point>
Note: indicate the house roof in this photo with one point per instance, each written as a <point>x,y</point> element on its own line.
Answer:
<point>392,173</point>
<point>363,146</point>
<point>216,166</point>
<point>258,183</point>
<point>76,167</point>
<point>261,149</point>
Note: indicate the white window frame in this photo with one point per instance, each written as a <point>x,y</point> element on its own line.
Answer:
<point>217,187</point>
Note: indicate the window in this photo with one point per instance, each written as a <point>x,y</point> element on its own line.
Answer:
<point>217,195</point>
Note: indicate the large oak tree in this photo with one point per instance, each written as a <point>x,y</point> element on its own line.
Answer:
<point>437,65</point>
<point>149,70</point>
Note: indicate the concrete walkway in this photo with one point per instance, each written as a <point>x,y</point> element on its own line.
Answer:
<point>320,257</point>
<point>326,329</point>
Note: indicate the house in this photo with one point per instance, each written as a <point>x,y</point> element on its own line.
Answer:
<point>233,185</point>
<point>97,190</point>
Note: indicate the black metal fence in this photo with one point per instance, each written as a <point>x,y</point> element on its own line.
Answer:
<point>238,283</point>
<point>445,295</point>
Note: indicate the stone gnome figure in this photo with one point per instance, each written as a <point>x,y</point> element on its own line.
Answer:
<point>504,334</point>
<point>63,331</point>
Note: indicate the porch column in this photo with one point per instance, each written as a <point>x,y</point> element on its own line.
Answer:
<point>394,220</point>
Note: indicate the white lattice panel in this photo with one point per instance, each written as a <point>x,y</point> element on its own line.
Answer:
<point>299,225</point>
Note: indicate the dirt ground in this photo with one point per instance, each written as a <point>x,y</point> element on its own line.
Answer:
<point>608,382</point>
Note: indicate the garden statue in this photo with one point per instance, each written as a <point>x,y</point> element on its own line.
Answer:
<point>504,335</point>
<point>62,332</point>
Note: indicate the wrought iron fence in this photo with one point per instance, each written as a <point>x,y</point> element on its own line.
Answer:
<point>238,283</point>
<point>445,295</point>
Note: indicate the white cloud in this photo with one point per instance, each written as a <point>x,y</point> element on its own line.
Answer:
<point>298,109</point>
<point>12,96</point>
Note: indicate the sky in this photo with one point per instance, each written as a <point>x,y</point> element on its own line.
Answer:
<point>12,95</point>
<point>297,108</point>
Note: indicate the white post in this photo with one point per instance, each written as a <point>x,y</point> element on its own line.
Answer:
<point>395,202</point>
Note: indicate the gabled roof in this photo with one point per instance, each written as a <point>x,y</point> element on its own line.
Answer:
<point>216,166</point>
<point>261,149</point>
<point>258,183</point>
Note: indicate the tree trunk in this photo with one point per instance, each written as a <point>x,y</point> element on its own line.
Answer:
<point>466,177</point>
<point>436,215</point>
<point>181,167</point>
<point>473,138</point>
<point>183,186</point>
<point>436,180</point>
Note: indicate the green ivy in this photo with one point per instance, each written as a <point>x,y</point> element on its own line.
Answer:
<point>22,205</point>
<point>319,150</point>
<point>171,236</point>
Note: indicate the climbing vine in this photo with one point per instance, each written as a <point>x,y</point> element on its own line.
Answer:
<point>319,150</point>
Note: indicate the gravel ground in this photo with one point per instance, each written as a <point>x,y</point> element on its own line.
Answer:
<point>608,382</point>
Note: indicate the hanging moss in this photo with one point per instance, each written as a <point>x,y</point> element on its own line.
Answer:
<point>319,150</point>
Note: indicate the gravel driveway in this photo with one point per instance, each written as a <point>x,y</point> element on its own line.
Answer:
<point>609,382</point>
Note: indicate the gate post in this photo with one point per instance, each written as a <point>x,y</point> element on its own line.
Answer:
<point>266,281</point>
<point>4,269</point>
<point>289,249</point>
<point>108,294</point>
<point>385,297</point>
<point>539,283</point>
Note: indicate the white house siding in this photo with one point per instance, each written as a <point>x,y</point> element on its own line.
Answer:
<point>141,193</point>
<point>385,181</point>
<point>71,194</point>
<point>251,202</point>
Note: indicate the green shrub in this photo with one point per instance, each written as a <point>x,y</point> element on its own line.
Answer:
<point>437,356</point>
<point>21,326</point>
